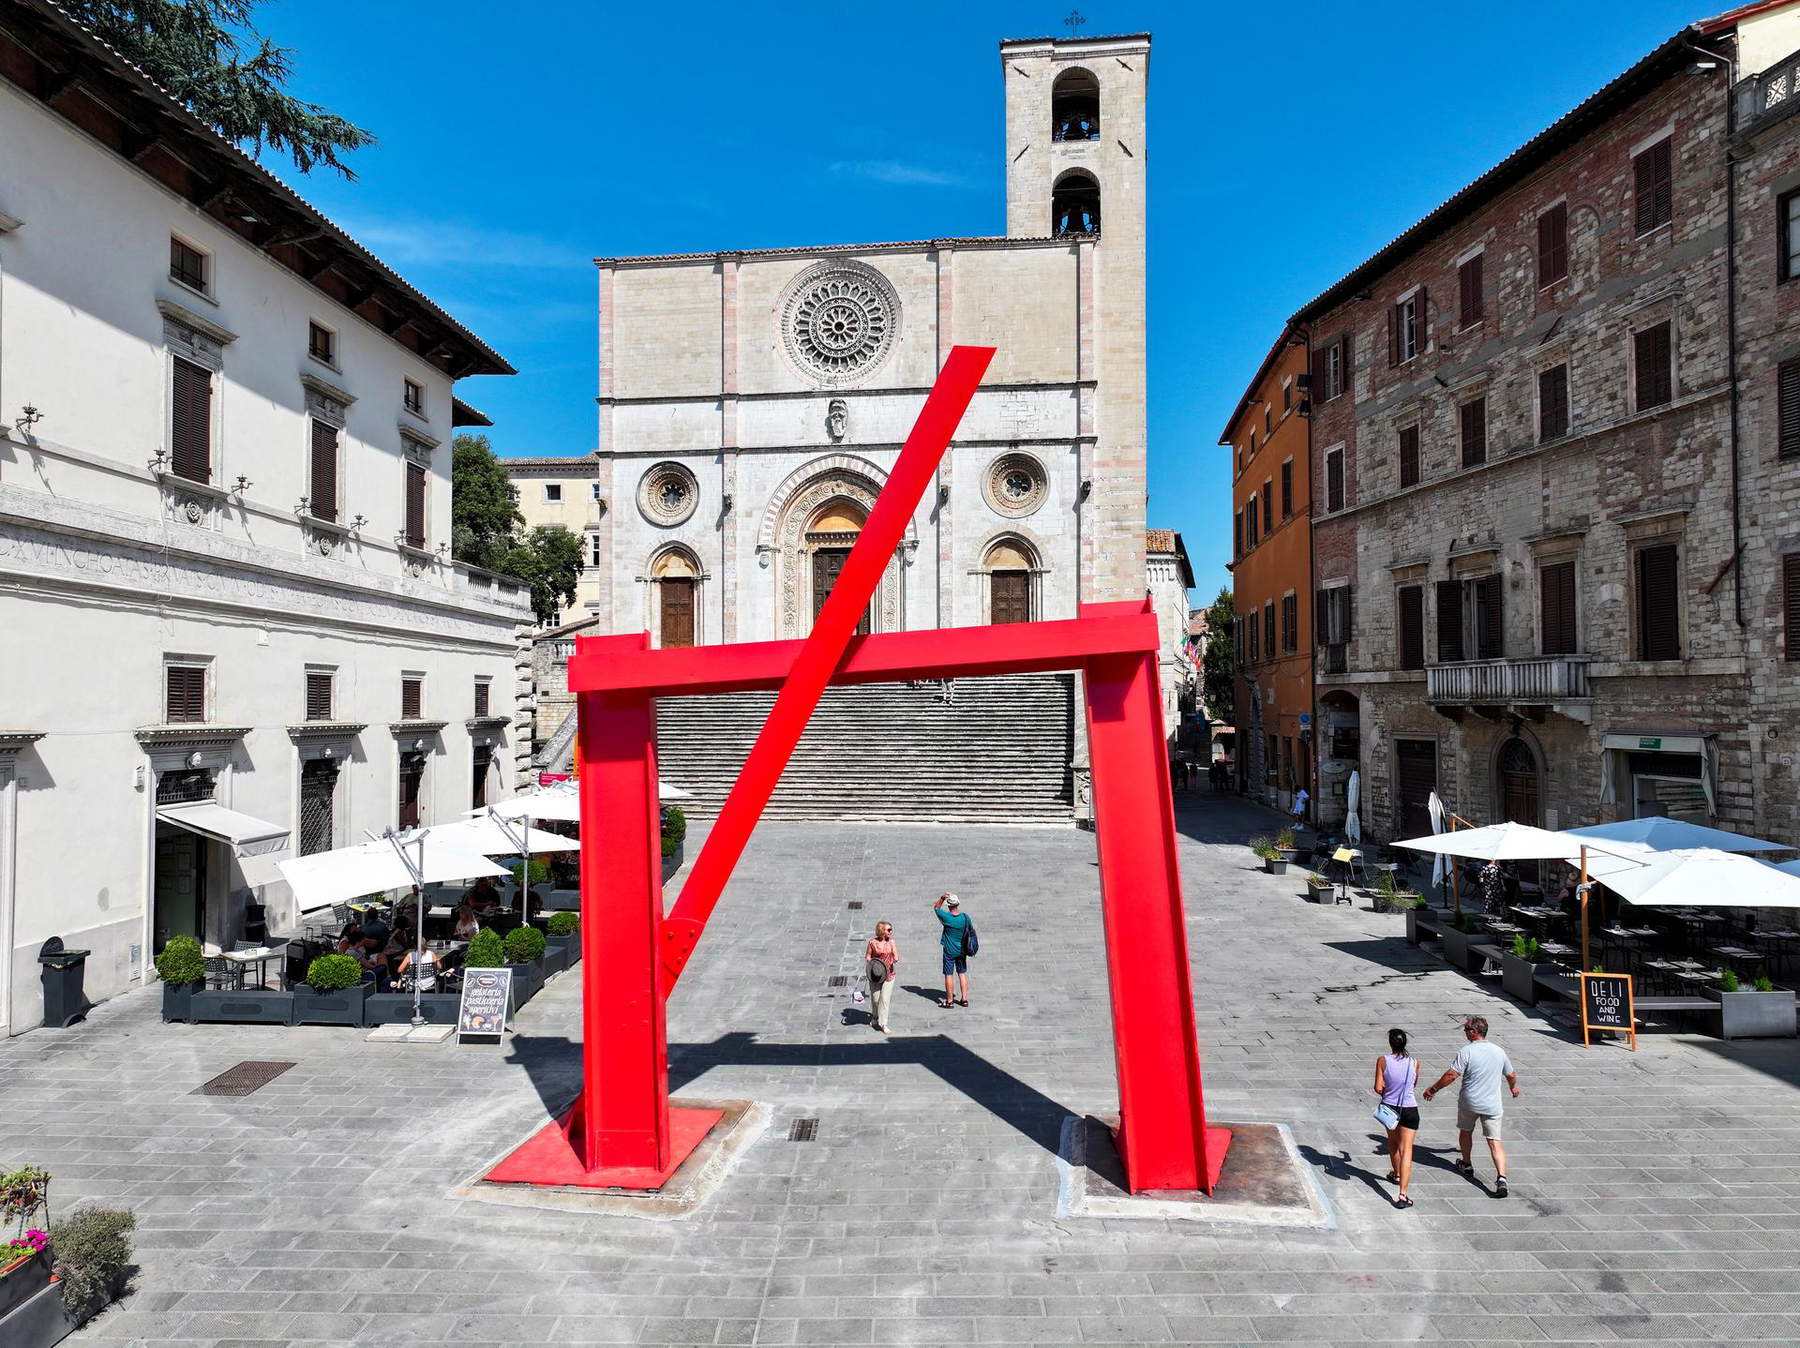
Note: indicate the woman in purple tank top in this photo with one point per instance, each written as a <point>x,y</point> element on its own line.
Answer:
<point>1396,1074</point>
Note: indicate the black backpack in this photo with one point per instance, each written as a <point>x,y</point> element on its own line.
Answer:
<point>971,942</point>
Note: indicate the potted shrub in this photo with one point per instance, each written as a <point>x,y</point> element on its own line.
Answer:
<point>532,875</point>
<point>560,941</point>
<point>1459,934</point>
<point>1519,969</point>
<point>1286,845</point>
<point>1273,861</point>
<point>92,1259</point>
<point>524,947</point>
<point>332,994</point>
<point>182,968</point>
<point>1390,898</point>
<point>25,1257</point>
<point>1415,910</point>
<point>674,840</point>
<point>1760,1011</point>
<point>1318,888</point>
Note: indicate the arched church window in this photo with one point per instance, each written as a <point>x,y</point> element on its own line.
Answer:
<point>1075,205</point>
<point>1075,106</point>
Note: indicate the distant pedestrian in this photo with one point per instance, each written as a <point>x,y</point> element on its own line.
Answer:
<point>956,929</point>
<point>1482,1067</point>
<point>880,958</point>
<point>1396,1074</point>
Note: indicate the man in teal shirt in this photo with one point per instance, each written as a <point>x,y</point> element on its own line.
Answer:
<point>956,960</point>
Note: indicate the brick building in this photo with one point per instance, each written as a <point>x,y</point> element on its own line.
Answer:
<point>1272,576</point>
<point>1536,484</point>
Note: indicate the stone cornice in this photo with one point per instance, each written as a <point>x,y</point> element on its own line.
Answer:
<point>13,742</point>
<point>326,389</point>
<point>315,730</point>
<point>487,723</point>
<point>416,727</point>
<point>196,736</point>
<point>180,313</point>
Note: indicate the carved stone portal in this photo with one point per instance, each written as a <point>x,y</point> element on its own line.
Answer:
<point>828,497</point>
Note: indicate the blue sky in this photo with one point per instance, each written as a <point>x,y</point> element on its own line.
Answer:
<point>519,142</point>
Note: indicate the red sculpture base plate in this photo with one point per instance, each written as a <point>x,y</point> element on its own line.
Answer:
<point>1218,1142</point>
<point>549,1158</point>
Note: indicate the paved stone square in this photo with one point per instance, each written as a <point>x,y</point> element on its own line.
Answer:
<point>1656,1195</point>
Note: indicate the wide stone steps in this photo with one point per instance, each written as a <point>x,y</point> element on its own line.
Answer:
<point>985,750</point>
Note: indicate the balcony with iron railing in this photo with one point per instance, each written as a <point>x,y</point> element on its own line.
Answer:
<point>1769,96</point>
<point>1538,680</point>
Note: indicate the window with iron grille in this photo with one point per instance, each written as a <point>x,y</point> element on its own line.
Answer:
<point>321,342</point>
<point>187,264</point>
<point>1655,376</point>
<point>1556,592</point>
<point>1410,602</point>
<point>1287,489</point>
<point>184,786</point>
<point>318,801</point>
<point>413,396</point>
<point>1654,169</point>
<point>1658,602</point>
<point>1409,456</point>
<point>412,698</point>
<point>323,467</point>
<point>190,425</point>
<point>1334,480</point>
<point>1553,402</point>
<point>415,505</point>
<point>184,693</point>
<point>1553,244</point>
<point>481,697</point>
<point>1468,292</point>
<point>318,694</point>
<point>1790,605</point>
<point>1787,409</point>
<point>1474,432</point>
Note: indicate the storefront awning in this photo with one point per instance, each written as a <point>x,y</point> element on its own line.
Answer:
<point>256,843</point>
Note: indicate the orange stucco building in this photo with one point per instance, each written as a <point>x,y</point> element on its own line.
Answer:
<point>1272,576</point>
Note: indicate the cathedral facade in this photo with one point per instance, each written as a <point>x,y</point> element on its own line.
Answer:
<point>752,402</point>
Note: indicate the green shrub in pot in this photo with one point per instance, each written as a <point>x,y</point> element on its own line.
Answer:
<point>523,945</point>
<point>182,962</point>
<point>537,870</point>
<point>486,951</point>
<point>564,923</point>
<point>92,1251</point>
<point>333,973</point>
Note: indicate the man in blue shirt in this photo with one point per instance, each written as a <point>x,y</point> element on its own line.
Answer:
<point>956,961</point>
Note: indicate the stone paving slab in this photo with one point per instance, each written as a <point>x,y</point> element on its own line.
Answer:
<point>1656,1195</point>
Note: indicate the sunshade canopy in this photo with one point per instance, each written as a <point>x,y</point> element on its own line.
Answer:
<point>368,868</point>
<point>1520,842</point>
<point>561,803</point>
<point>1706,878</point>
<point>492,839</point>
<point>1662,834</point>
<point>248,835</point>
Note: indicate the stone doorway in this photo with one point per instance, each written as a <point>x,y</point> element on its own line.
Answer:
<point>821,508</point>
<point>828,560</point>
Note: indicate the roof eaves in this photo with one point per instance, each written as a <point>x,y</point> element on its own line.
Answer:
<point>832,249</point>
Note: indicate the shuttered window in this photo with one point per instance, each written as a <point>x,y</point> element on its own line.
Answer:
<point>1553,403</point>
<point>1655,170</point>
<point>415,505</point>
<point>1553,244</point>
<point>324,472</point>
<point>481,697</point>
<point>1268,518</point>
<point>1331,368</point>
<point>412,699</point>
<point>1287,489</point>
<point>1658,603</point>
<point>1334,480</point>
<point>1449,621</point>
<point>184,689</point>
<point>1468,292</point>
<point>187,265</point>
<point>1474,432</point>
<point>1655,378</point>
<point>1790,605</point>
<point>1409,456</point>
<point>318,695</point>
<point>1406,328</point>
<point>1411,624</point>
<point>1787,404</point>
<point>1290,623</point>
<point>190,427</point>
<point>1237,533</point>
<point>1269,629</point>
<point>1490,617</point>
<point>1556,591</point>
<point>1253,646</point>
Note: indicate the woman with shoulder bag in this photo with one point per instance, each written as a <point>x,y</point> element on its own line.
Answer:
<point>1396,1074</point>
<point>880,958</point>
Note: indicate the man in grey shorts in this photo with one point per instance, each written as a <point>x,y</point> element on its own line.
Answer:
<point>1482,1067</point>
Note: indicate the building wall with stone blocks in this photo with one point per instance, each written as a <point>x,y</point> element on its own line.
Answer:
<point>1601,723</point>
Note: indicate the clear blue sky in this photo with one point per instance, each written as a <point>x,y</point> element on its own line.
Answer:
<point>1287,144</point>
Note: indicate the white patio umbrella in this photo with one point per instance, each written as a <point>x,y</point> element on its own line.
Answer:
<point>1706,877</point>
<point>1790,867</point>
<point>501,837</point>
<point>562,803</point>
<point>1658,833</point>
<point>1353,797</point>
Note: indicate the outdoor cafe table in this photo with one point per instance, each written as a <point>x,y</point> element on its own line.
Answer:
<point>1737,952</point>
<point>1536,912</point>
<point>260,957</point>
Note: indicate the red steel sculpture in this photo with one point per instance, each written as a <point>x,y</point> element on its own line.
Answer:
<point>622,1132</point>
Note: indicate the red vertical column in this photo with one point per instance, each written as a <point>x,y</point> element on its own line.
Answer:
<point>1163,1138</point>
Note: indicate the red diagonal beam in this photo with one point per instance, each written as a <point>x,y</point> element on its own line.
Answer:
<point>822,651</point>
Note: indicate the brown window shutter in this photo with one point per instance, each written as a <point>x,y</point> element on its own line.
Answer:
<point>1468,299</point>
<point>324,471</point>
<point>1659,603</point>
<point>1412,627</point>
<point>1334,481</point>
<point>481,697</point>
<point>1421,321</point>
<point>1321,617</point>
<point>1268,519</point>
<point>1474,432</point>
<point>1319,391</point>
<point>1556,583</point>
<point>1553,403</point>
<point>1790,604</point>
<point>1449,620</point>
<point>191,425</point>
<point>1553,244</point>
<point>185,686</point>
<point>1393,334</point>
<point>415,505</point>
<point>1655,197</point>
<point>1269,628</point>
<point>1409,456</point>
<point>1490,618</point>
<point>1287,489</point>
<point>318,696</point>
<point>1237,532</point>
<point>1787,401</point>
<point>1346,348</point>
<point>412,699</point>
<point>1655,383</point>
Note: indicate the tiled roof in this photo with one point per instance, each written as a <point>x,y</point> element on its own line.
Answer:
<point>1159,540</point>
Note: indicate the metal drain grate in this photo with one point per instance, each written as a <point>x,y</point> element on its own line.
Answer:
<point>854,904</point>
<point>838,981</point>
<point>243,1079</point>
<point>803,1130</point>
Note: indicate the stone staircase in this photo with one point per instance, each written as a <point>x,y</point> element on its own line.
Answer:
<point>989,750</point>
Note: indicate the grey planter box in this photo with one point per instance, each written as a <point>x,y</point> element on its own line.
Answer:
<point>672,862</point>
<point>178,1000</point>
<point>527,982</point>
<point>1457,943</point>
<point>389,1008</point>
<point>560,901</point>
<point>329,1008</point>
<point>1756,1015</point>
<point>1320,893</point>
<point>1518,976</point>
<point>23,1283</point>
<point>556,958</point>
<point>1276,867</point>
<point>1290,854</point>
<point>249,1007</point>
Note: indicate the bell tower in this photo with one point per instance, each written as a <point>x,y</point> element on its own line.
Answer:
<point>1075,168</point>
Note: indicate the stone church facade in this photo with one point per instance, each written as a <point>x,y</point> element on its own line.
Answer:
<point>752,402</point>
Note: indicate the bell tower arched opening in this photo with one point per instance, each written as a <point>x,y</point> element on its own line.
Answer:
<point>1075,204</point>
<point>1075,106</point>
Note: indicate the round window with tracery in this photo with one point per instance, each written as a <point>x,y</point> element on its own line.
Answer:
<point>1016,485</point>
<point>668,494</point>
<point>839,320</point>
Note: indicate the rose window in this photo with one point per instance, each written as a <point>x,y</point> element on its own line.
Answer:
<point>667,494</point>
<point>1016,485</point>
<point>839,320</point>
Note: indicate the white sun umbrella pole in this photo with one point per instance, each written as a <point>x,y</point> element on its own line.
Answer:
<point>416,869</point>
<point>494,834</point>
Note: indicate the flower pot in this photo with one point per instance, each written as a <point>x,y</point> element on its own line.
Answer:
<point>672,862</point>
<point>1756,1015</point>
<point>23,1279</point>
<point>527,982</point>
<point>1518,976</point>
<point>344,1007</point>
<point>1289,854</point>
<point>178,1001</point>
<point>1276,866</point>
<point>390,1008</point>
<point>555,958</point>
<point>1319,893</point>
<point>249,1006</point>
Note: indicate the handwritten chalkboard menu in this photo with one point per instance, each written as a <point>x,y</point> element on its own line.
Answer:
<point>486,995</point>
<point>1606,1005</point>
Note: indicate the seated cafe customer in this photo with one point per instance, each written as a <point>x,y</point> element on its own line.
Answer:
<point>466,923</point>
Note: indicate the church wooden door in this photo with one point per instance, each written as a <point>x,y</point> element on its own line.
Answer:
<point>677,610</point>
<point>827,563</point>
<point>1011,597</point>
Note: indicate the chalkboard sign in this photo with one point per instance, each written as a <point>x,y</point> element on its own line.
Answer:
<point>1606,1005</point>
<point>486,995</point>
